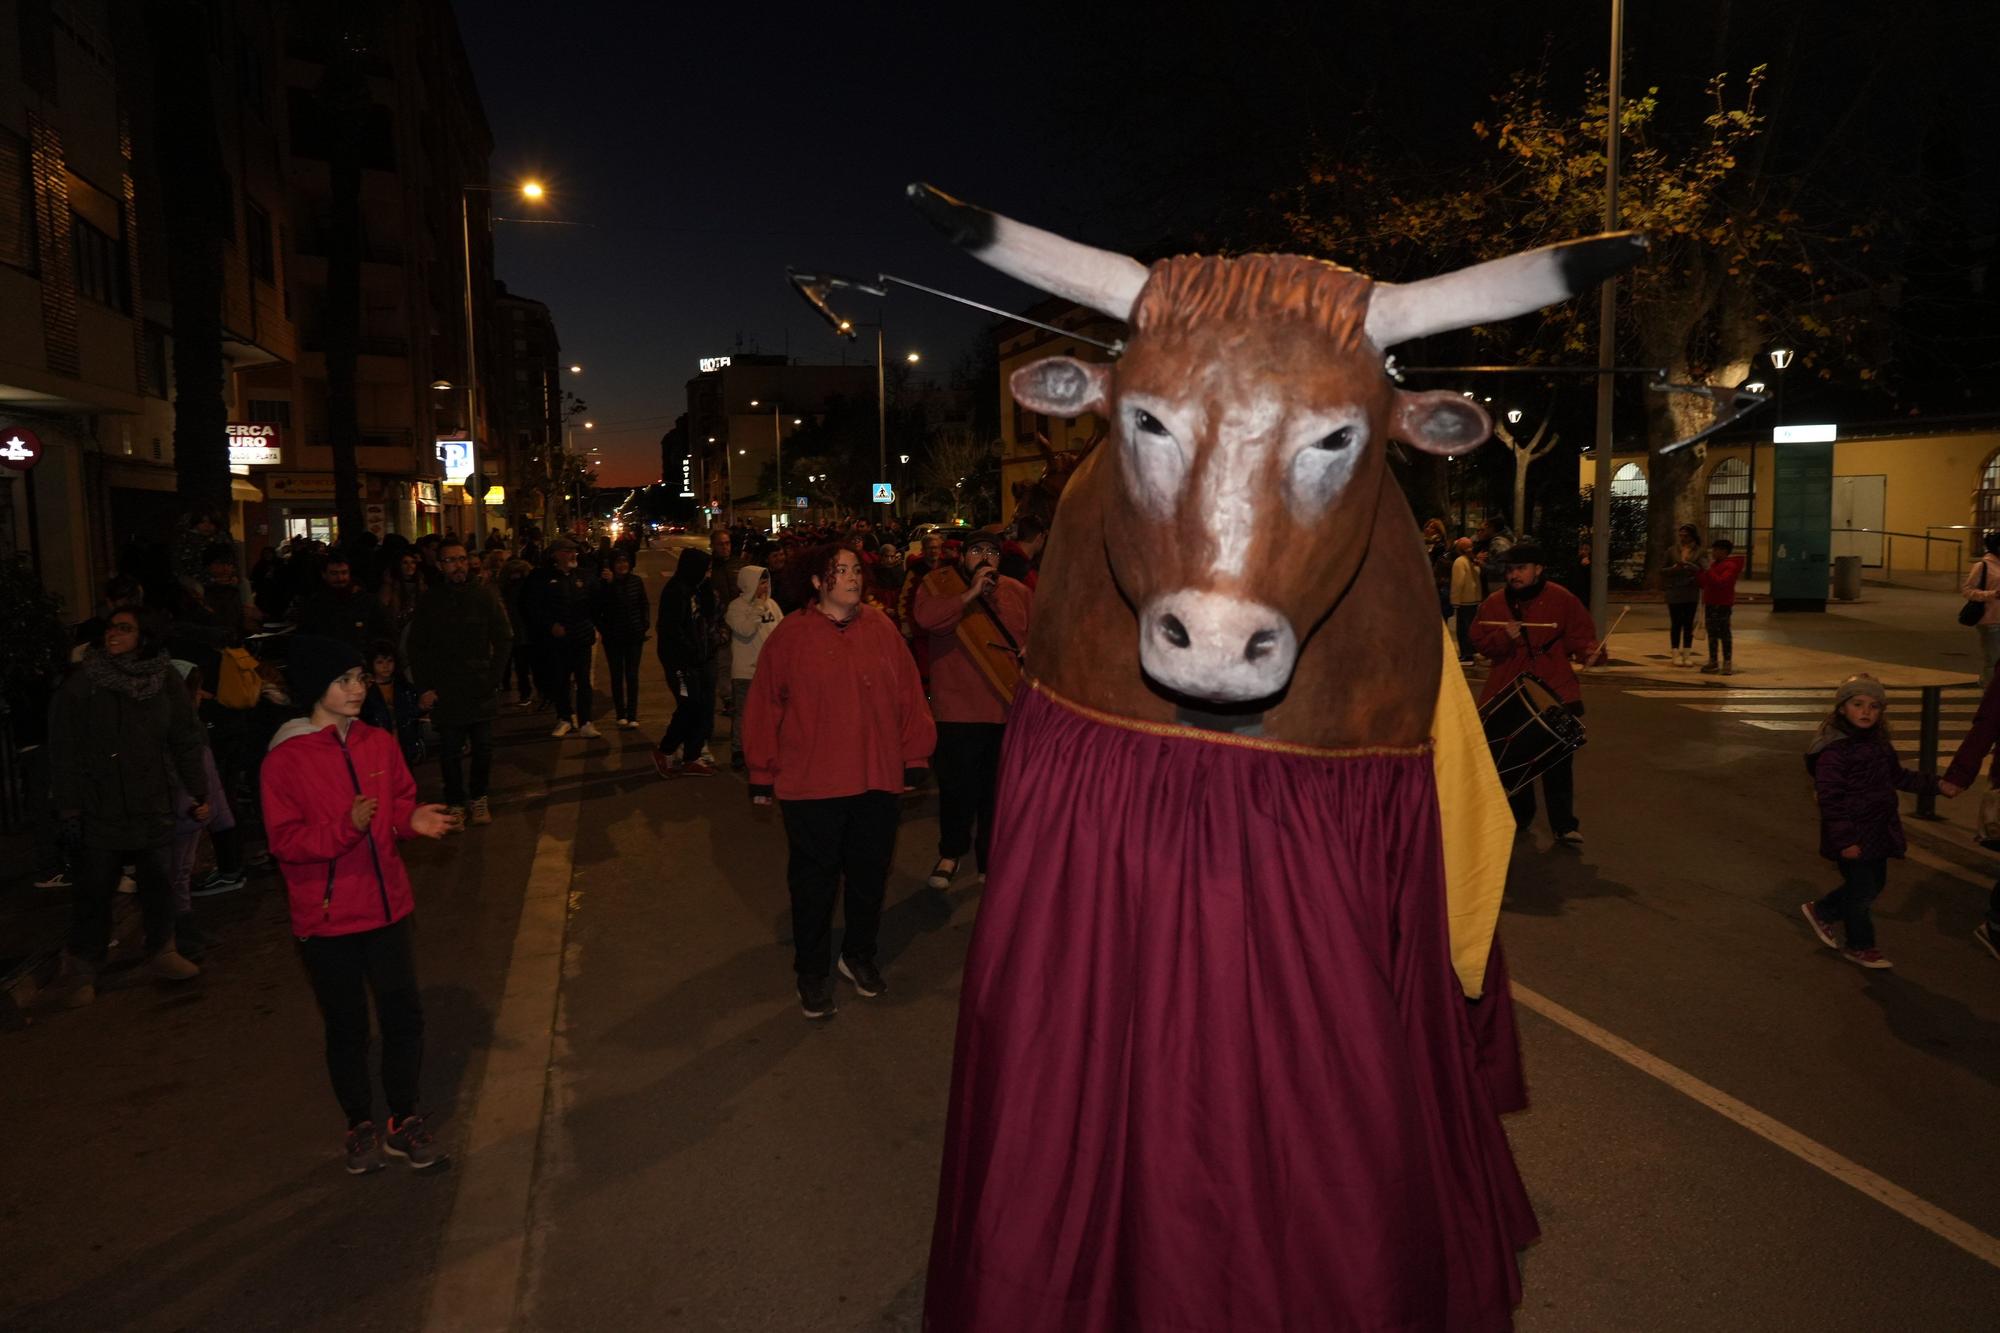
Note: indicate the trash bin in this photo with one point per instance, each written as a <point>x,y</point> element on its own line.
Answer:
<point>1847,578</point>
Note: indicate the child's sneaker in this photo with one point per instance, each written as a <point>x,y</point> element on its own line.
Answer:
<point>1983,932</point>
<point>1820,926</point>
<point>1869,958</point>
<point>408,1139</point>
<point>364,1151</point>
<point>1728,668</point>
<point>479,812</point>
<point>1711,669</point>
<point>588,731</point>
<point>456,813</point>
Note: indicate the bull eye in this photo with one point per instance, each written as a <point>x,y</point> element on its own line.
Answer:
<point>1336,440</point>
<point>1146,422</point>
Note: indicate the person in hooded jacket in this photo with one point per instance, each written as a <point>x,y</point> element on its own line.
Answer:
<point>686,631</point>
<point>121,730</point>
<point>619,606</point>
<point>337,799</point>
<point>460,644</point>
<point>750,618</point>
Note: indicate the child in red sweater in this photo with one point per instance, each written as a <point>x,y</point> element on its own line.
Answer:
<point>1718,601</point>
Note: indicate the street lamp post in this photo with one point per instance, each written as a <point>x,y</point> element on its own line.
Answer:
<point>531,191</point>
<point>1607,347</point>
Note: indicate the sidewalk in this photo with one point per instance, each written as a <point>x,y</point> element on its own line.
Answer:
<point>1903,636</point>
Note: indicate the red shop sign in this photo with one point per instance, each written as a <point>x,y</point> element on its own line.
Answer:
<point>20,448</point>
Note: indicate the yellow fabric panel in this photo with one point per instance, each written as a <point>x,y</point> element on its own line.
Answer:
<point>1477,823</point>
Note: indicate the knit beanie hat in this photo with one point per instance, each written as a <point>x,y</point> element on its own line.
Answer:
<point>314,662</point>
<point>1861,684</point>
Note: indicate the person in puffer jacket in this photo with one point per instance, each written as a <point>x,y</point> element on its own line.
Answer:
<point>1856,776</point>
<point>337,799</point>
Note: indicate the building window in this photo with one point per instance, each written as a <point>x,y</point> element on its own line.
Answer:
<point>257,232</point>
<point>153,361</point>
<point>1989,497</point>
<point>271,411</point>
<point>1729,501</point>
<point>36,31</point>
<point>101,274</point>
<point>17,203</point>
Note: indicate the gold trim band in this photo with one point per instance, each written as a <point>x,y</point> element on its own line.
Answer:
<point>1175,731</point>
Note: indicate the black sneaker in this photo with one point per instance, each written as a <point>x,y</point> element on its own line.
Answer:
<point>408,1139</point>
<point>867,978</point>
<point>816,997</point>
<point>217,882</point>
<point>364,1153</point>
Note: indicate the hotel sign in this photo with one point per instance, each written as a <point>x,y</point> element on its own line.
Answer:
<point>710,364</point>
<point>254,444</point>
<point>20,449</point>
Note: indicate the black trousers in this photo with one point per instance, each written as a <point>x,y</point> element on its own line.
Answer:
<point>1680,625</point>
<point>623,659</point>
<point>568,683</point>
<point>693,721</point>
<point>345,970</point>
<point>1861,883</point>
<point>524,669</point>
<point>98,865</point>
<point>450,739</point>
<point>850,836</point>
<point>1558,789</point>
<point>1715,619</point>
<point>967,764</point>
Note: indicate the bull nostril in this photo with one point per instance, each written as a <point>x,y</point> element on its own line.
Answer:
<point>1262,643</point>
<point>1173,631</point>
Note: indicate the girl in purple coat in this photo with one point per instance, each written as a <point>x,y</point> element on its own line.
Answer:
<point>1856,776</point>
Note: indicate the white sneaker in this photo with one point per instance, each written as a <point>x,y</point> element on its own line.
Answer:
<point>707,756</point>
<point>563,728</point>
<point>588,731</point>
<point>627,724</point>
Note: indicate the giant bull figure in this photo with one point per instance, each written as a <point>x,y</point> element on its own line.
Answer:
<point>1215,1066</point>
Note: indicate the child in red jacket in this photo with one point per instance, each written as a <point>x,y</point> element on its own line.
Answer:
<point>337,797</point>
<point>1718,603</point>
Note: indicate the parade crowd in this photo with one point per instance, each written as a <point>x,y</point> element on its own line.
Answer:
<point>853,667</point>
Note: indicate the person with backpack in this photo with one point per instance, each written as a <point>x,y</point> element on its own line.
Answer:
<point>337,800</point>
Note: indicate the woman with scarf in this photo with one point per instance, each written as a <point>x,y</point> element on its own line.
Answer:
<point>121,731</point>
<point>1532,626</point>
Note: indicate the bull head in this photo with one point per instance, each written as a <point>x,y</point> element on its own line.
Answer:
<point>1249,416</point>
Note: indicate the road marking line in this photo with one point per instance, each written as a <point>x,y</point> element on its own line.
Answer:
<point>479,1267</point>
<point>1848,1172</point>
<point>1694,692</point>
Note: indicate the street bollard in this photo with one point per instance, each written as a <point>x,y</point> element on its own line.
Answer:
<point>1927,750</point>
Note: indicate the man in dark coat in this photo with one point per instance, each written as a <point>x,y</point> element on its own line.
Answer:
<point>459,649</point>
<point>339,608</point>
<point>556,605</point>
<point>686,631</point>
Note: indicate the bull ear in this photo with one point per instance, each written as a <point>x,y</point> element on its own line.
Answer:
<point>1062,386</point>
<point>1440,422</point>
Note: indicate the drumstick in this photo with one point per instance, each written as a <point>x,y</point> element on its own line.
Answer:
<point>1524,624</point>
<point>1601,652</point>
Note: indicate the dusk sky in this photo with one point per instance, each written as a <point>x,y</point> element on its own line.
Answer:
<point>703,151</point>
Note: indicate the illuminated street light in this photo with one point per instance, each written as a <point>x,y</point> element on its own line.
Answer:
<point>531,189</point>
<point>576,370</point>
<point>798,421</point>
<point>755,403</point>
<point>590,425</point>
<point>1513,416</point>
<point>1781,357</point>
<point>442,384</point>
<point>1755,386</point>
<point>912,358</point>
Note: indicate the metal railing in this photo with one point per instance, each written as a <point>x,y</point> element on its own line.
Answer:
<point>1934,561</point>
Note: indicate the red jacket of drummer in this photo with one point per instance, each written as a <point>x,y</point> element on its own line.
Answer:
<point>1544,652</point>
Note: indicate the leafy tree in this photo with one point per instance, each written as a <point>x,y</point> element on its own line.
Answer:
<point>962,470</point>
<point>1736,264</point>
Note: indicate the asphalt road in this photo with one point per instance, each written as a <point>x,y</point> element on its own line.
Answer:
<point>711,1161</point>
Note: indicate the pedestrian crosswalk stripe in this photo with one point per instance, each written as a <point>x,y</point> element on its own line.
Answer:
<point>1947,710</point>
<point>1697,692</point>
<point>1906,738</point>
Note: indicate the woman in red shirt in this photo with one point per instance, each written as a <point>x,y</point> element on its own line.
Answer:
<point>835,719</point>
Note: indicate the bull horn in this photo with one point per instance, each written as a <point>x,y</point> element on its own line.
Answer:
<point>1100,279</point>
<point>1499,288</point>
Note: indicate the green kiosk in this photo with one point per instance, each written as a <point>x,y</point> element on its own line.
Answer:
<point>1802,517</point>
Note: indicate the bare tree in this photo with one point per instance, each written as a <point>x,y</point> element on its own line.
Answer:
<point>1524,457</point>
<point>953,463</point>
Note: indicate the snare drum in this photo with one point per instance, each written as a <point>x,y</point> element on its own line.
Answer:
<point>1530,730</point>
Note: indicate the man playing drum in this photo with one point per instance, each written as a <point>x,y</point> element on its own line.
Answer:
<point>1534,627</point>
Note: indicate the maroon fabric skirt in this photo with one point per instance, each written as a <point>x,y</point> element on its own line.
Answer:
<point>1214,1069</point>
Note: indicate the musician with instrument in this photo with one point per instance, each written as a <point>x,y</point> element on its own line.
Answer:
<point>975,621</point>
<point>1532,630</point>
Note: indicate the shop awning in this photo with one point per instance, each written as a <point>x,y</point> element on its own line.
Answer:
<point>136,477</point>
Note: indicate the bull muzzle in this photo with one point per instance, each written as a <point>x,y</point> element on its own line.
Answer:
<point>1207,645</point>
